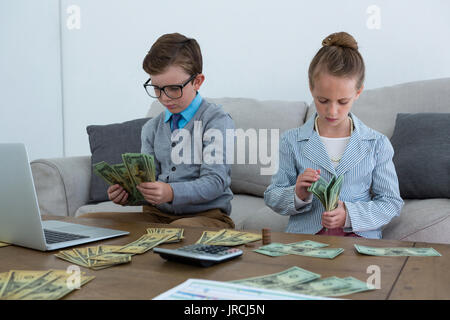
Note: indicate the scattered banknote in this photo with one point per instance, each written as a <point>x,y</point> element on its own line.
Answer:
<point>304,248</point>
<point>298,280</point>
<point>327,192</point>
<point>330,287</point>
<point>37,285</point>
<point>397,252</point>
<point>278,281</point>
<point>3,244</point>
<point>135,169</point>
<point>105,256</point>
<point>177,233</point>
<point>144,243</point>
<point>227,237</point>
<point>95,258</point>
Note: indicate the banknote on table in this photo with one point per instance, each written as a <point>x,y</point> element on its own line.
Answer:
<point>397,252</point>
<point>39,285</point>
<point>227,237</point>
<point>144,243</point>
<point>330,287</point>
<point>4,244</point>
<point>320,287</point>
<point>303,248</point>
<point>210,235</point>
<point>278,249</point>
<point>95,258</point>
<point>177,233</point>
<point>278,281</point>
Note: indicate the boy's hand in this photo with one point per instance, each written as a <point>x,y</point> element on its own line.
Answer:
<point>304,181</point>
<point>156,192</point>
<point>117,194</point>
<point>335,218</point>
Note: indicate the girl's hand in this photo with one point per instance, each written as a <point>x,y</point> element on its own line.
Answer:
<point>117,194</point>
<point>304,181</point>
<point>335,218</point>
<point>156,192</point>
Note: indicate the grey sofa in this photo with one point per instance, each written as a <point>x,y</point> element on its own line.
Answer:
<point>62,184</point>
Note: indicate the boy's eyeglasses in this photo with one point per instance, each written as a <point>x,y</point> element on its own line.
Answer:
<point>173,91</point>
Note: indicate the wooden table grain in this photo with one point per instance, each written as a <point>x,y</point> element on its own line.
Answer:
<point>148,275</point>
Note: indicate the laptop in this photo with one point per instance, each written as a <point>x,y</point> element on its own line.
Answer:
<point>20,218</point>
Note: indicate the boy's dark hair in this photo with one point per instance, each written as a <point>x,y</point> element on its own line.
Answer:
<point>174,49</point>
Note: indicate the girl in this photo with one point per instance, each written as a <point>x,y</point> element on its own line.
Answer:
<point>335,142</point>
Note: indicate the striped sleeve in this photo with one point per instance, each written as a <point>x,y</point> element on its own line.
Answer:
<point>386,202</point>
<point>280,195</point>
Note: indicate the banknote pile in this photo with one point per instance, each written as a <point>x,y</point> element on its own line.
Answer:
<point>397,252</point>
<point>327,192</point>
<point>306,248</point>
<point>39,285</point>
<point>227,237</point>
<point>135,169</point>
<point>301,281</point>
<point>105,256</point>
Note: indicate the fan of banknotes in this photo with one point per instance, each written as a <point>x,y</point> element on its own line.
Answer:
<point>135,169</point>
<point>327,192</point>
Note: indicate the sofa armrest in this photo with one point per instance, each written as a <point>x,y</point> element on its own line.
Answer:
<point>62,184</point>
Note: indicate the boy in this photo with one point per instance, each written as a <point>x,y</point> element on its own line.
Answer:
<point>191,193</point>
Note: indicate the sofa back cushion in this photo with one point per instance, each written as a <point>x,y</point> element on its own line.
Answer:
<point>378,108</point>
<point>250,116</point>
<point>422,154</point>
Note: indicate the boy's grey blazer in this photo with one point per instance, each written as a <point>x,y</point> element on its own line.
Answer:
<point>197,185</point>
<point>370,188</point>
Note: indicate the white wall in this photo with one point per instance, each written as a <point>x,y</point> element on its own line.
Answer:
<point>30,76</point>
<point>258,49</point>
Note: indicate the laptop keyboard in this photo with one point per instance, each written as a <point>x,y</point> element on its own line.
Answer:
<point>56,236</point>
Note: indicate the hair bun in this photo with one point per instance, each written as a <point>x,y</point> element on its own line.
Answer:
<point>340,39</point>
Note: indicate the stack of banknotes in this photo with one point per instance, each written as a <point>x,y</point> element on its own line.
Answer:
<point>104,256</point>
<point>227,237</point>
<point>327,192</point>
<point>303,248</point>
<point>135,169</point>
<point>301,281</point>
<point>38,285</point>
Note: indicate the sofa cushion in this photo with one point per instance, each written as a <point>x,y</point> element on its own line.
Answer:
<point>377,108</point>
<point>266,218</point>
<point>243,206</point>
<point>421,144</point>
<point>108,143</point>
<point>251,116</point>
<point>418,221</point>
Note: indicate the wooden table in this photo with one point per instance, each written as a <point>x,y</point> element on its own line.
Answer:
<point>148,275</point>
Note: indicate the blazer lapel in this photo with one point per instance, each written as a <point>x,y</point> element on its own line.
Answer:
<point>314,149</point>
<point>356,149</point>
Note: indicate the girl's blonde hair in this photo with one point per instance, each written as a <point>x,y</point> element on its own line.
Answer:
<point>339,56</point>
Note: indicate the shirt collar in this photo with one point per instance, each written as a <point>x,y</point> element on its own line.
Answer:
<point>189,112</point>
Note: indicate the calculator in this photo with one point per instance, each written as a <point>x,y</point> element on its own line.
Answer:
<point>204,255</point>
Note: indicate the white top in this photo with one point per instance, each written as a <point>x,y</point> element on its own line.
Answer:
<point>335,148</point>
